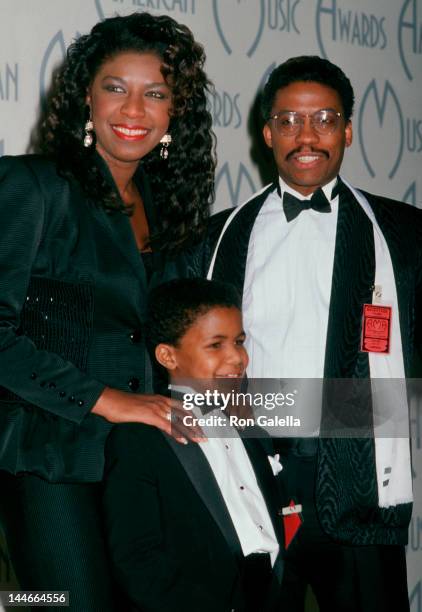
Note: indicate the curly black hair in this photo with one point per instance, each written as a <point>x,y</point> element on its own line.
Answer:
<point>173,307</point>
<point>182,185</point>
<point>308,68</point>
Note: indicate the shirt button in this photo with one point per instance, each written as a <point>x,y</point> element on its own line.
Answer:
<point>227,446</point>
<point>81,402</point>
<point>241,487</point>
<point>62,394</point>
<point>71,398</point>
<point>134,383</point>
<point>33,375</point>
<point>52,385</point>
<point>135,336</point>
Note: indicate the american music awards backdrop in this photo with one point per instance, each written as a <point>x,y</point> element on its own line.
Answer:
<point>377,43</point>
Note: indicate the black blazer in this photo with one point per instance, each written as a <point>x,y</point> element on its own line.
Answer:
<point>171,539</point>
<point>72,307</point>
<point>347,502</point>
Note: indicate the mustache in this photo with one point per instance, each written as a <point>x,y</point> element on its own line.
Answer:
<point>293,152</point>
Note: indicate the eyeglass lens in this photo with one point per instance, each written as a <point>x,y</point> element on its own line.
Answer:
<point>290,122</point>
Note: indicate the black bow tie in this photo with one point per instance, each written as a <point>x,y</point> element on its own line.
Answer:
<point>293,206</point>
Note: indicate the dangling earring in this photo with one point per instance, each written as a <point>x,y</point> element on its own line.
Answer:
<point>165,141</point>
<point>89,128</point>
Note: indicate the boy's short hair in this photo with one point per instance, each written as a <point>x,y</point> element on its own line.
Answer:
<point>173,307</point>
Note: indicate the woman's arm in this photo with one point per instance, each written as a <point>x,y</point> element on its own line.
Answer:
<point>38,376</point>
<point>162,412</point>
<point>28,214</point>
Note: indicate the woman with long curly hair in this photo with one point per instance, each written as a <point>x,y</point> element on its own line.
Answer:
<point>122,188</point>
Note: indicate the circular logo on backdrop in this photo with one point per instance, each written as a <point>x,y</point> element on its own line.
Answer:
<point>99,7</point>
<point>266,76</point>
<point>248,18</point>
<point>409,35</point>
<point>381,109</point>
<point>53,55</point>
<point>410,195</point>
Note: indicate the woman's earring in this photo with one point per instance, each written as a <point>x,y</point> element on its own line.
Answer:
<point>89,138</point>
<point>165,141</point>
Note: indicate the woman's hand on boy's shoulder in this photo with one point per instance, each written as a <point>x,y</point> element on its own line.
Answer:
<point>151,409</point>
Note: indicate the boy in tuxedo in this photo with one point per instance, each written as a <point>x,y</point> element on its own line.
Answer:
<point>194,526</point>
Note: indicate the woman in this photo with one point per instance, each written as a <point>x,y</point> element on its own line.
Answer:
<point>81,236</point>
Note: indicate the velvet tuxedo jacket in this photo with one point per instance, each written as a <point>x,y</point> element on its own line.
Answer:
<point>73,292</point>
<point>171,539</point>
<point>346,497</point>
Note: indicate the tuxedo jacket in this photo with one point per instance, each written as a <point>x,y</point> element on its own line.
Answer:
<point>171,539</point>
<point>73,292</point>
<point>346,487</point>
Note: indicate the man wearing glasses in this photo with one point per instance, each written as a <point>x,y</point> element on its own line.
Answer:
<point>330,278</point>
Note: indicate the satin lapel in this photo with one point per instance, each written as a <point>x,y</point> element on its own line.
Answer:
<point>118,224</point>
<point>203,479</point>
<point>144,188</point>
<point>352,282</point>
<point>120,231</point>
<point>230,263</point>
<point>347,405</point>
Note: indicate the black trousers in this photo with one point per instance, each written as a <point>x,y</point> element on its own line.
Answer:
<point>344,578</point>
<point>55,540</point>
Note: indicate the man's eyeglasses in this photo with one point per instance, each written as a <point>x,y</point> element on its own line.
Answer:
<point>289,123</point>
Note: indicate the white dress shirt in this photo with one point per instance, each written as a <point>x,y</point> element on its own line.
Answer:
<point>287,289</point>
<point>236,479</point>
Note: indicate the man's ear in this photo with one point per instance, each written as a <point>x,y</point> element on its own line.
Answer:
<point>165,354</point>
<point>349,133</point>
<point>266,131</point>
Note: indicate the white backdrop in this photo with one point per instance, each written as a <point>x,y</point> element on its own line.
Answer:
<point>378,43</point>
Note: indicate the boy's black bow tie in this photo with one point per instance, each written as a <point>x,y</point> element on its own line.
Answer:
<point>293,206</point>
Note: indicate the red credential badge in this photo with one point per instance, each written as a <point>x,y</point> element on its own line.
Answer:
<point>376,328</point>
<point>292,520</point>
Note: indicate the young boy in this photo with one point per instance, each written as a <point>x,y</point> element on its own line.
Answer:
<point>193,527</point>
